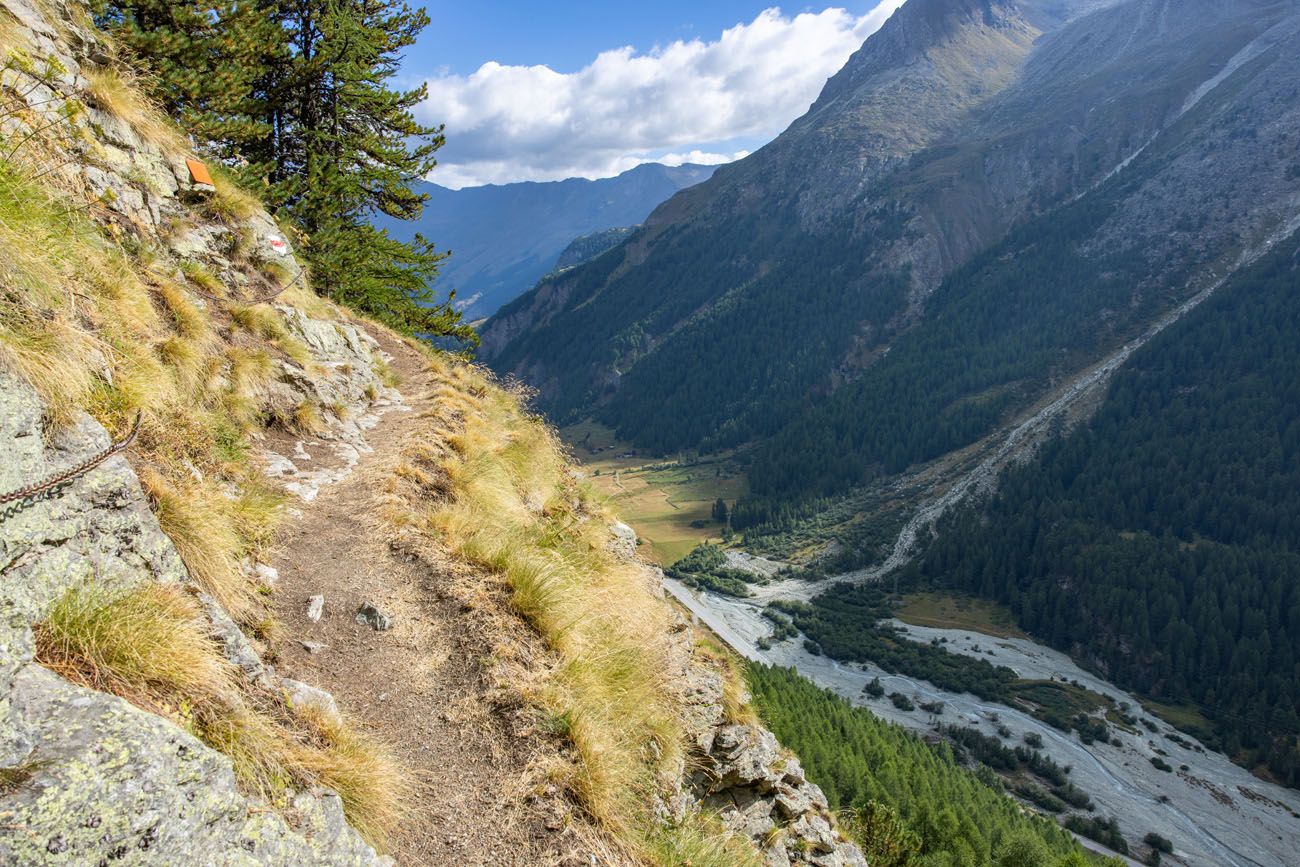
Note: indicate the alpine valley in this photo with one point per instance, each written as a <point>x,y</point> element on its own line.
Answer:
<point>1007,318</point>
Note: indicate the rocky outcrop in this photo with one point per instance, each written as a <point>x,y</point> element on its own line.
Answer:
<point>739,769</point>
<point>348,386</point>
<point>760,790</point>
<point>85,777</point>
<point>757,788</point>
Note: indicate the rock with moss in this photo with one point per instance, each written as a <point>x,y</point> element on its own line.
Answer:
<point>86,777</point>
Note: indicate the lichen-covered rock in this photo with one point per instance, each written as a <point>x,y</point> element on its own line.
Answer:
<point>624,543</point>
<point>89,778</point>
<point>108,783</point>
<point>758,789</point>
<point>94,779</point>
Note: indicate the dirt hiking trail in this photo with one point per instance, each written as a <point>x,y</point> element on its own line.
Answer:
<point>424,686</point>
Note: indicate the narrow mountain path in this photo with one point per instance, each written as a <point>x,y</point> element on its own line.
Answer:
<point>422,686</point>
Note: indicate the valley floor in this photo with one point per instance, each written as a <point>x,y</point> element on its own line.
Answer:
<point>1216,813</point>
<point>426,686</point>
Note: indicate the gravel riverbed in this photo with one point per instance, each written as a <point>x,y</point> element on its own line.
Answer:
<point>1215,812</point>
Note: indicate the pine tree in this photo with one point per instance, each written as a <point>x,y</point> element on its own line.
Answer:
<point>348,146</point>
<point>297,96</point>
<point>208,64</point>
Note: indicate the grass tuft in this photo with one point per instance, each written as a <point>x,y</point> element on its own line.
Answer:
<point>198,274</point>
<point>197,518</point>
<point>114,91</point>
<point>149,642</point>
<point>151,646</point>
<point>505,499</point>
<point>373,785</point>
<point>231,203</point>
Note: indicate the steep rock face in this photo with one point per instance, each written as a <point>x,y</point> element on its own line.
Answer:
<point>93,777</point>
<point>739,770</point>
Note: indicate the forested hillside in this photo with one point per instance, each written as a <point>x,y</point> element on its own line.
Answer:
<point>949,815</point>
<point>892,279</point>
<point>1158,542</point>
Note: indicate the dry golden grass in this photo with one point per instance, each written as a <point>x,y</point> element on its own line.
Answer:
<point>151,642</point>
<point>513,506</point>
<point>231,203</point>
<point>375,788</point>
<point>151,646</point>
<point>198,274</point>
<point>198,521</point>
<point>93,327</point>
<point>307,418</point>
<point>115,91</point>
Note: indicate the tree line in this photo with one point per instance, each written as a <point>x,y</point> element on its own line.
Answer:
<point>922,808</point>
<point>296,100</point>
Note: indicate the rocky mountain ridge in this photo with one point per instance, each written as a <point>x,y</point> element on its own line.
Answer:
<point>937,162</point>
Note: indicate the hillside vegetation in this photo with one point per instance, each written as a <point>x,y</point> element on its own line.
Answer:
<point>945,814</point>
<point>1159,539</point>
<point>133,302</point>
<point>849,317</point>
<point>100,320</point>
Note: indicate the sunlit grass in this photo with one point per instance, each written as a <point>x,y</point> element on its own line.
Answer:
<point>151,645</point>
<point>504,497</point>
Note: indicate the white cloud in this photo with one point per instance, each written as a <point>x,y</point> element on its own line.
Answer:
<point>684,101</point>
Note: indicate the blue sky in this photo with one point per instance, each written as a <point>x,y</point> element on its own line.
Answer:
<point>567,35</point>
<point>582,88</point>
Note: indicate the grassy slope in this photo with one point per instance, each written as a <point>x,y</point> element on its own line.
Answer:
<point>108,325</point>
<point>100,320</point>
<point>494,485</point>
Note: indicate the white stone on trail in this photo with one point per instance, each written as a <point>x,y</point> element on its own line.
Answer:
<point>624,543</point>
<point>268,575</point>
<point>303,695</point>
<point>315,608</point>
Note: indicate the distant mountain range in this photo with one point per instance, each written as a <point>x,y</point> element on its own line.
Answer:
<point>985,198</point>
<point>504,238</point>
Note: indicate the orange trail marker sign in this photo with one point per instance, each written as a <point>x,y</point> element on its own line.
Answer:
<point>199,173</point>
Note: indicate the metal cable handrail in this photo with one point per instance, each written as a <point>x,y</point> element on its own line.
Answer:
<point>82,468</point>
